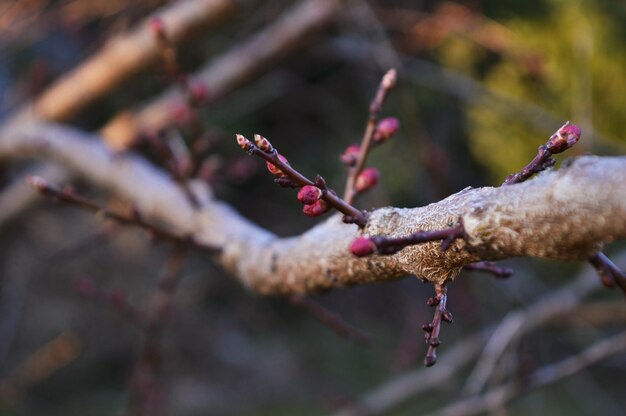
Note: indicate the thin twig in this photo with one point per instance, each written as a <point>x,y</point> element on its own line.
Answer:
<point>271,155</point>
<point>386,84</point>
<point>432,330</point>
<point>147,395</point>
<point>490,267</point>
<point>365,246</point>
<point>609,273</point>
<point>332,320</point>
<point>70,196</point>
<point>564,138</point>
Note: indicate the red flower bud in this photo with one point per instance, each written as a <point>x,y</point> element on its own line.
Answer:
<point>316,209</point>
<point>351,154</point>
<point>309,194</point>
<point>244,143</point>
<point>367,179</point>
<point>362,247</point>
<point>262,143</point>
<point>275,170</point>
<point>386,128</point>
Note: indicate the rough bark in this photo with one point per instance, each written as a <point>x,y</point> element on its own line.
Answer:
<point>566,214</point>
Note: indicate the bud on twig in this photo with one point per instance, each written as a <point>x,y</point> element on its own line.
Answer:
<point>274,170</point>
<point>262,143</point>
<point>367,180</point>
<point>351,155</point>
<point>309,194</point>
<point>316,209</point>
<point>244,143</point>
<point>386,128</point>
<point>566,137</point>
<point>362,247</point>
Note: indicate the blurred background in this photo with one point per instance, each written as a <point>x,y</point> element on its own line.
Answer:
<point>481,84</point>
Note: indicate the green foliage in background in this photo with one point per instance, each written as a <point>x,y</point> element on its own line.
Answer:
<point>570,62</point>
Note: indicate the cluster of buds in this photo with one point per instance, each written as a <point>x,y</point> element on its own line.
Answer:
<point>311,197</point>
<point>315,196</point>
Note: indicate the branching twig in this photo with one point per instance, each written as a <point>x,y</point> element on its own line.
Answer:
<point>432,330</point>
<point>386,84</point>
<point>549,307</point>
<point>288,176</point>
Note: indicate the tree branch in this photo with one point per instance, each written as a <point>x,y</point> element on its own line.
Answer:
<point>123,56</point>
<point>226,71</point>
<point>566,214</point>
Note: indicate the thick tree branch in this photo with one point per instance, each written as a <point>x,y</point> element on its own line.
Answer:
<point>565,214</point>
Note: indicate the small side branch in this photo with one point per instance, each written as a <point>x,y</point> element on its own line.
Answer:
<point>432,329</point>
<point>490,267</point>
<point>564,138</point>
<point>290,177</point>
<point>365,246</point>
<point>369,136</point>
<point>331,320</point>
<point>68,195</point>
<point>609,273</point>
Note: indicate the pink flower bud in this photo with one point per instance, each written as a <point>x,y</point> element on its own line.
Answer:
<point>199,92</point>
<point>386,128</point>
<point>244,143</point>
<point>389,79</point>
<point>362,247</point>
<point>309,194</point>
<point>262,143</point>
<point>316,209</point>
<point>572,132</point>
<point>351,155</point>
<point>275,170</point>
<point>367,180</point>
<point>566,137</point>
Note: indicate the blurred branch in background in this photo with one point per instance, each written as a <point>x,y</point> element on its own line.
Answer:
<point>485,348</point>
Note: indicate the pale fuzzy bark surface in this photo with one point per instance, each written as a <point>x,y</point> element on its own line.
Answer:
<point>566,214</point>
